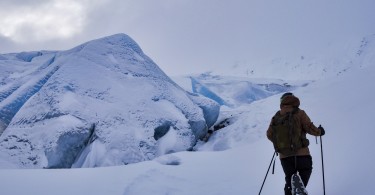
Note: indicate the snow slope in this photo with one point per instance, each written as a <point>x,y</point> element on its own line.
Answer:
<point>235,159</point>
<point>240,170</point>
<point>335,59</point>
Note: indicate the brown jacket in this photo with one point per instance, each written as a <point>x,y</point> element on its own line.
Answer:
<point>305,125</point>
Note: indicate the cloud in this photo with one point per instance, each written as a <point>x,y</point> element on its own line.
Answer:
<point>42,20</point>
<point>7,4</point>
<point>186,35</point>
<point>6,44</point>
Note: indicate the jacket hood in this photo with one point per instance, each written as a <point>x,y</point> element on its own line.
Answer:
<point>290,100</point>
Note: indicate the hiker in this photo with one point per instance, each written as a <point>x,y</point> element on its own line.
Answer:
<point>295,155</point>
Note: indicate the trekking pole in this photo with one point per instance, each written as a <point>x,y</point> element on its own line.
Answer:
<point>321,149</point>
<point>267,172</point>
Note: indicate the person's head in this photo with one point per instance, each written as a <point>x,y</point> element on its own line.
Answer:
<point>288,99</point>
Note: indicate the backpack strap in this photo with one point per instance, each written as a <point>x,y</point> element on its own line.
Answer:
<point>291,131</point>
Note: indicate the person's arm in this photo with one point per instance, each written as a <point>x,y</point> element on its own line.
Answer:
<point>308,126</point>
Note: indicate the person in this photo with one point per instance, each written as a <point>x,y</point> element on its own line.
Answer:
<point>297,158</point>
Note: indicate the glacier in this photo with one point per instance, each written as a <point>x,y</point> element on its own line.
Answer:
<point>232,92</point>
<point>53,102</point>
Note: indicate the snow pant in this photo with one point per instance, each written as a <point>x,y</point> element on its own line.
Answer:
<point>304,168</point>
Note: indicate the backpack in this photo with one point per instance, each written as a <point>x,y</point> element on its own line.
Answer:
<point>287,136</point>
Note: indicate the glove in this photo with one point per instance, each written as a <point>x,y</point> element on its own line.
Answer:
<point>322,131</point>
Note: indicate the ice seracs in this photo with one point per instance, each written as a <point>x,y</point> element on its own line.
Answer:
<point>108,84</point>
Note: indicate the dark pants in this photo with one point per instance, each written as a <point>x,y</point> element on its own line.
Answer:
<point>304,168</point>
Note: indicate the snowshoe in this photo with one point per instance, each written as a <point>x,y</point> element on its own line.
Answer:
<point>297,186</point>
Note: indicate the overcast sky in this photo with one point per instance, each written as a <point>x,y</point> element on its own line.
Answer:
<point>184,36</point>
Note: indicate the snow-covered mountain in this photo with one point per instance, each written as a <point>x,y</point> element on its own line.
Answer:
<point>106,89</point>
<point>335,59</point>
<point>236,157</point>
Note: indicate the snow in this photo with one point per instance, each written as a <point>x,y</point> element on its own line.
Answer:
<point>28,56</point>
<point>108,82</point>
<point>235,159</point>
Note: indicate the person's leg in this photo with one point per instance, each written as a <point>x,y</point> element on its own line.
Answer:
<point>304,167</point>
<point>289,170</point>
